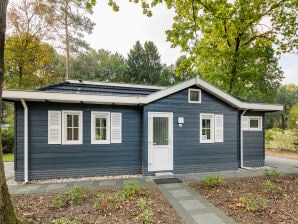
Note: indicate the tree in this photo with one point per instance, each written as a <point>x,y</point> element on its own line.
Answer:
<point>144,65</point>
<point>7,212</point>
<point>69,24</point>
<point>293,117</point>
<point>287,95</point>
<point>231,44</point>
<point>28,62</point>
<point>101,65</point>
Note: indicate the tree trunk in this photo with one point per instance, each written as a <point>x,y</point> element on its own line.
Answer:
<point>67,62</point>
<point>7,212</point>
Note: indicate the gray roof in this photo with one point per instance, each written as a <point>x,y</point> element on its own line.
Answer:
<point>100,89</point>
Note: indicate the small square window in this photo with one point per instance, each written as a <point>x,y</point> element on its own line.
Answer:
<point>255,123</point>
<point>194,96</point>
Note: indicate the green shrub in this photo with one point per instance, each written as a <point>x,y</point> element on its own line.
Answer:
<point>146,215</point>
<point>212,181</point>
<point>280,139</point>
<point>59,201</point>
<point>271,187</point>
<point>75,195</point>
<point>78,194</point>
<point>271,174</point>
<point>131,189</point>
<point>64,220</point>
<point>253,203</point>
<point>107,203</point>
<point>143,203</point>
<point>8,139</point>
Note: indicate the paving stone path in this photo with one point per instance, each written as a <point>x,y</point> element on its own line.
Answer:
<point>191,206</point>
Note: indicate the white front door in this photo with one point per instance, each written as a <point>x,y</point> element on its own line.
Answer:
<point>160,141</point>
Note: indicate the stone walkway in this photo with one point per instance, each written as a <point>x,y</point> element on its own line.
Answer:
<point>191,206</point>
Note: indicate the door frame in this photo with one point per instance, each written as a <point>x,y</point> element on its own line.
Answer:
<point>150,139</point>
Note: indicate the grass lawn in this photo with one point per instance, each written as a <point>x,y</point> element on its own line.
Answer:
<point>8,157</point>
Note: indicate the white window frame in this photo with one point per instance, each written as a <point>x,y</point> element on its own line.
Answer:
<point>211,117</point>
<point>101,114</point>
<point>64,127</point>
<point>260,123</point>
<point>195,90</point>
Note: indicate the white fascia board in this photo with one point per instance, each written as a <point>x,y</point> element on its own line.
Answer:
<point>70,98</point>
<point>115,84</point>
<point>168,91</point>
<point>262,107</point>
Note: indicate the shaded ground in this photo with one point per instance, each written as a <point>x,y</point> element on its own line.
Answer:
<point>282,154</point>
<point>38,208</point>
<point>281,205</point>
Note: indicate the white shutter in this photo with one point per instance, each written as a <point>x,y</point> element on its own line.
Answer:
<point>219,128</point>
<point>54,127</point>
<point>116,128</point>
<point>245,122</point>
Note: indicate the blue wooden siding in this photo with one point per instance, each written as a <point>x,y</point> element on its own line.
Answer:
<point>54,161</point>
<point>189,154</point>
<point>253,143</point>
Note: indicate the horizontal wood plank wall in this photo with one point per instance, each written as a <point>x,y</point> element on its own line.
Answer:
<point>253,144</point>
<point>189,154</point>
<point>59,161</point>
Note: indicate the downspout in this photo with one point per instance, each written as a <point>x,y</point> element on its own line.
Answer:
<point>25,140</point>
<point>241,140</point>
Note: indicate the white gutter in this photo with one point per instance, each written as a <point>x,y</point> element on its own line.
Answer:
<point>241,140</point>
<point>25,140</point>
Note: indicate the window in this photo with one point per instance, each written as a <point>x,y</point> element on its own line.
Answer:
<point>106,127</point>
<point>255,123</point>
<point>72,132</point>
<point>211,128</point>
<point>100,127</point>
<point>207,128</point>
<point>194,95</point>
<point>251,123</point>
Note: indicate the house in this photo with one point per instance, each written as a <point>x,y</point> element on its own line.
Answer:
<point>80,128</point>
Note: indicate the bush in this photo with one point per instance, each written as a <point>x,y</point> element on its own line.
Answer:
<point>75,195</point>
<point>107,203</point>
<point>279,139</point>
<point>253,203</point>
<point>78,194</point>
<point>271,187</point>
<point>212,181</point>
<point>8,139</point>
<point>271,174</point>
<point>131,189</point>
<point>147,216</point>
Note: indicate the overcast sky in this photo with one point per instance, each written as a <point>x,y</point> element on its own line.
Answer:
<point>119,31</point>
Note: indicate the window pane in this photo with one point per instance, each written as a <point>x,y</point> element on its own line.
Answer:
<point>101,128</point>
<point>69,134</point>
<point>69,120</point>
<point>206,123</point>
<point>254,123</point>
<point>101,134</point>
<point>75,120</point>
<point>194,95</point>
<point>75,134</point>
<point>160,130</point>
<point>206,134</point>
